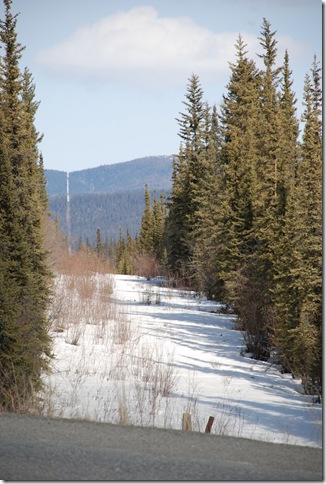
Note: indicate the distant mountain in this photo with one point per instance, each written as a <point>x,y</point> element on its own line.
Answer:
<point>56,182</point>
<point>107,197</point>
<point>155,171</point>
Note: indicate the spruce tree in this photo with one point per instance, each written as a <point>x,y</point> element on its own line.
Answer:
<point>188,170</point>
<point>158,217</point>
<point>306,348</point>
<point>206,194</point>
<point>99,244</point>
<point>120,253</point>
<point>239,120</point>
<point>235,239</point>
<point>25,278</point>
<point>176,227</point>
<point>146,230</point>
<point>266,200</point>
<point>286,298</point>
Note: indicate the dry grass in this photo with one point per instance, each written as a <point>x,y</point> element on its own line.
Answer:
<point>136,370</point>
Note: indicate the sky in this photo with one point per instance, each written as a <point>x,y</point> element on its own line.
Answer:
<point>111,75</point>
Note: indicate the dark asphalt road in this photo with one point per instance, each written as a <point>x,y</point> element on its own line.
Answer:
<point>41,449</point>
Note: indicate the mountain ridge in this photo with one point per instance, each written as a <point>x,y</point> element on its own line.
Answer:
<point>155,171</point>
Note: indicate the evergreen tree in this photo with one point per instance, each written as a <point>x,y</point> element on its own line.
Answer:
<point>158,217</point>
<point>192,121</point>
<point>206,196</point>
<point>24,275</point>
<point>289,133</point>
<point>265,200</point>
<point>146,230</point>
<point>188,170</point>
<point>176,228</point>
<point>234,234</point>
<point>285,297</point>
<point>305,335</point>
<point>239,120</point>
<point>120,253</point>
<point>130,250</point>
<point>267,166</point>
<point>99,245</point>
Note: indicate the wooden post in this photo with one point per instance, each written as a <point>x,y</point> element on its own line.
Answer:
<point>186,421</point>
<point>209,425</point>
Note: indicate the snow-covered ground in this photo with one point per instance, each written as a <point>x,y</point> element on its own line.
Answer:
<point>147,354</point>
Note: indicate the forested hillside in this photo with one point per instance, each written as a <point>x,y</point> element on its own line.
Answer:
<point>106,211</point>
<point>155,171</point>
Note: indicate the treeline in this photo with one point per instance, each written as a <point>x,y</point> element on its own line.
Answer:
<point>143,254</point>
<point>25,344</point>
<point>243,223</point>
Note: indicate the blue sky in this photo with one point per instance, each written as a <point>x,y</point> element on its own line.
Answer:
<point>111,75</point>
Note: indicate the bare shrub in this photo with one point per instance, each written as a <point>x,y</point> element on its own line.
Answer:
<point>83,262</point>
<point>86,286</point>
<point>157,297</point>
<point>255,313</point>
<point>80,300</point>
<point>121,331</point>
<point>147,294</point>
<point>57,307</point>
<point>122,404</point>
<point>18,391</point>
<point>191,406</point>
<point>166,371</point>
<point>230,420</point>
<point>74,332</point>
<point>106,288</point>
<point>54,243</point>
<point>168,379</point>
<point>155,367</point>
<point>142,363</point>
<point>146,265</point>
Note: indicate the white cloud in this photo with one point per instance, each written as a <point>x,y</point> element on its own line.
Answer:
<point>142,48</point>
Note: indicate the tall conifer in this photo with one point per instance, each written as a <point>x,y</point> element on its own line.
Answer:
<point>188,170</point>
<point>24,340</point>
<point>307,241</point>
<point>146,229</point>
<point>284,294</point>
<point>236,243</point>
<point>206,195</point>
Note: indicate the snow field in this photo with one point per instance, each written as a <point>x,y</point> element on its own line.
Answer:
<point>130,351</point>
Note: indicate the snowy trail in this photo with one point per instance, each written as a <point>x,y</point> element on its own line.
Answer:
<point>198,352</point>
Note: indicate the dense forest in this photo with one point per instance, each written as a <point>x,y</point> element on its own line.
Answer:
<point>243,223</point>
<point>105,211</point>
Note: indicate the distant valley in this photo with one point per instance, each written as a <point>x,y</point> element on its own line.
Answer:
<point>107,197</point>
